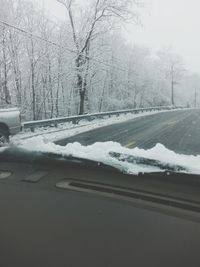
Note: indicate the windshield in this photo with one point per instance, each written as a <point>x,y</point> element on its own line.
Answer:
<point>114,81</point>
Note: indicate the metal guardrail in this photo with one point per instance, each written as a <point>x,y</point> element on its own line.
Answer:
<point>89,117</point>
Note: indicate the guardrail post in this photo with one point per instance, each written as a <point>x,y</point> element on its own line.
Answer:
<point>32,129</point>
<point>75,121</point>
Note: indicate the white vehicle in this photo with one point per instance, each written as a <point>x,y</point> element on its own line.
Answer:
<point>10,123</point>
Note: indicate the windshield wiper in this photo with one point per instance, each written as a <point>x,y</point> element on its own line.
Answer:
<point>147,162</point>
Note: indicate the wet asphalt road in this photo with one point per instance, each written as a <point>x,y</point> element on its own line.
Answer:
<point>176,130</point>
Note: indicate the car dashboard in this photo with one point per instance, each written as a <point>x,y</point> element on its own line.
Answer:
<point>66,213</point>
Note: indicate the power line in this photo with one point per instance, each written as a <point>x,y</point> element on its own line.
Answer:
<point>34,36</point>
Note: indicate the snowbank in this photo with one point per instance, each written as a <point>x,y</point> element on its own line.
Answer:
<point>100,152</point>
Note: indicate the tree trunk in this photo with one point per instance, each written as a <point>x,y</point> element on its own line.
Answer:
<point>82,102</point>
<point>33,81</point>
<point>58,86</point>
<point>79,85</point>
<point>16,69</point>
<point>33,90</point>
<point>5,84</point>
<point>50,87</point>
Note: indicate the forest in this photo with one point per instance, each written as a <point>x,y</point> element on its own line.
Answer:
<point>53,68</point>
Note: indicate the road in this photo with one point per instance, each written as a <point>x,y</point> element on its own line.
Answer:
<point>176,130</point>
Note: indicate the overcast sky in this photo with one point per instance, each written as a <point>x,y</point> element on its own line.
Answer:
<point>174,23</point>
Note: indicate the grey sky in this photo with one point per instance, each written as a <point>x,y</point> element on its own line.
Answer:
<point>173,23</point>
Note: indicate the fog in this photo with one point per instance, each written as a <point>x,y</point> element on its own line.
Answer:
<point>93,56</point>
<point>172,23</point>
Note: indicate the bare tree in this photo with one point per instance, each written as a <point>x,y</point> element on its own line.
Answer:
<point>174,69</point>
<point>96,14</point>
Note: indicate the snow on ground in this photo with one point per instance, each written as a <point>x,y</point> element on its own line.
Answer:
<point>100,152</point>
<point>66,130</point>
<point>42,141</point>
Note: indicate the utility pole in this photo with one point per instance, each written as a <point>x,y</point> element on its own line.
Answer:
<point>195,98</point>
<point>172,93</point>
<point>173,83</point>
